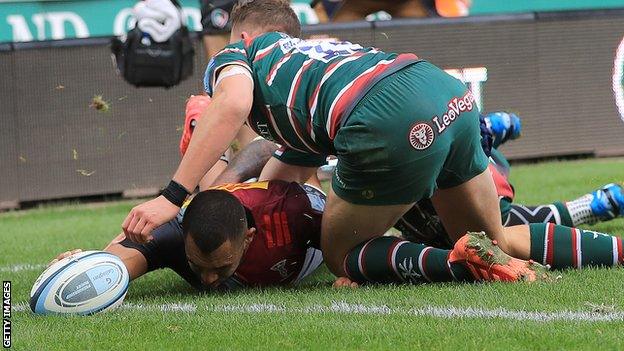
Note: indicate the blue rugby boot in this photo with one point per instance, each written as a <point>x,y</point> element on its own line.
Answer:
<point>503,126</point>
<point>607,202</point>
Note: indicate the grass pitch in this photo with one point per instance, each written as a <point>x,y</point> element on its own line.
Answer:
<point>583,310</point>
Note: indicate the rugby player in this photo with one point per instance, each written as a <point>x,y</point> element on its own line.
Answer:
<point>401,128</point>
<point>234,235</point>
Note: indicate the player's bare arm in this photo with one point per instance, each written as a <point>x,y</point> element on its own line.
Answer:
<point>231,104</point>
<point>248,163</point>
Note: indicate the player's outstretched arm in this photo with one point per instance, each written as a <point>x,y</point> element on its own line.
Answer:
<point>135,262</point>
<point>231,104</point>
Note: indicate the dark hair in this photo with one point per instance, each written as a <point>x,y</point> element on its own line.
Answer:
<point>212,218</point>
<point>270,15</point>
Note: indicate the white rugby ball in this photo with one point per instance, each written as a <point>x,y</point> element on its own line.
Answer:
<point>84,283</point>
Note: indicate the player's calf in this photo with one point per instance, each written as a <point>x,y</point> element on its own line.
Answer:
<point>566,247</point>
<point>392,260</point>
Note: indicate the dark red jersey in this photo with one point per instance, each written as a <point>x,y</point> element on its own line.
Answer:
<point>287,218</point>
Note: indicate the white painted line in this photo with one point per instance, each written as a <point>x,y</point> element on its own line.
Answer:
<point>169,307</point>
<point>341,307</point>
<point>22,267</point>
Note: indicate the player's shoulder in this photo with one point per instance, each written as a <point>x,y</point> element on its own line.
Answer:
<point>259,189</point>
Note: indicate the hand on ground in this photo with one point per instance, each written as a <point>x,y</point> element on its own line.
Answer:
<point>344,282</point>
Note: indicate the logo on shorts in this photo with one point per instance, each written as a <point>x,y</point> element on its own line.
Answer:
<point>456,106</point>
<point>281,268</point>
<point>421,136</point>
<point>219,18</point>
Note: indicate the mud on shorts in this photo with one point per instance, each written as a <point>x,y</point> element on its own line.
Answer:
<point>414,131</point>
<point>215,16</point>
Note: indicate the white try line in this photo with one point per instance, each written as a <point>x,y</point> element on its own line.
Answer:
<point>22,267</point>
<point>341,307</point>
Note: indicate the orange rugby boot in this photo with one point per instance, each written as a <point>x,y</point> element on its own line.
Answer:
<point>487,262</point>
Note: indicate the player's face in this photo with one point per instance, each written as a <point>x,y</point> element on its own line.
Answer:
<point>214,268</point>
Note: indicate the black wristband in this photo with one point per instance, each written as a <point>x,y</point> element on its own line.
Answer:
<point>175,193</point>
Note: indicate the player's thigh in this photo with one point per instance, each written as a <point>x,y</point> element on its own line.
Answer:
<point>471,206</point>
<point>345,225</point>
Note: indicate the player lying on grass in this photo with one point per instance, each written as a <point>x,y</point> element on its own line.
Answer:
<point>249,234</point>
<point>401,128</point>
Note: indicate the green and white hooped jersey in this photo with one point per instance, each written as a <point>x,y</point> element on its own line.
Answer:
<point>304,89</point>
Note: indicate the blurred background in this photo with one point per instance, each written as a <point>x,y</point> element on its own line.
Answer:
<point>556,63</point>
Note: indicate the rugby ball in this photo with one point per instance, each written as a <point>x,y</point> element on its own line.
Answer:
<point>84,283</point>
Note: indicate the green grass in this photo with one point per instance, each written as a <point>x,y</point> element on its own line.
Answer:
<point>36,236</point>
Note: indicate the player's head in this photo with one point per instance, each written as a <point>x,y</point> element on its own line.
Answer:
<point>251,18</point>
<point>216,235</point>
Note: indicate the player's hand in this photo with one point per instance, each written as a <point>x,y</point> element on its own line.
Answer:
<point>64,255</point>
<point>143,218</point>
<point>158,18</point>
<point>344,282</point>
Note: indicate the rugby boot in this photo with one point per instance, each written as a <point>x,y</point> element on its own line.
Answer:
<point>487,262</point>
<point>503,126</point>
<point>607,202</point>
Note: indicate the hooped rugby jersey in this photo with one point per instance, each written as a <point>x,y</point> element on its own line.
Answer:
<point>287,217</point>
<point>304,89</point>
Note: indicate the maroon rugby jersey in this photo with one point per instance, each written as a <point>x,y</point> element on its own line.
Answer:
<point>287,217</point>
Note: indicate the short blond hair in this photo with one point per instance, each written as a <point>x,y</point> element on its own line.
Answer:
<point>268,15</point>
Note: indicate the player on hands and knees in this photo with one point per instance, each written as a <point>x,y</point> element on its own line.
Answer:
<point>401,128</point>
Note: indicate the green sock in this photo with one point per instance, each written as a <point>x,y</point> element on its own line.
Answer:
<point>391,260</point>
<point>564,214</point>
<point>565,247</point>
